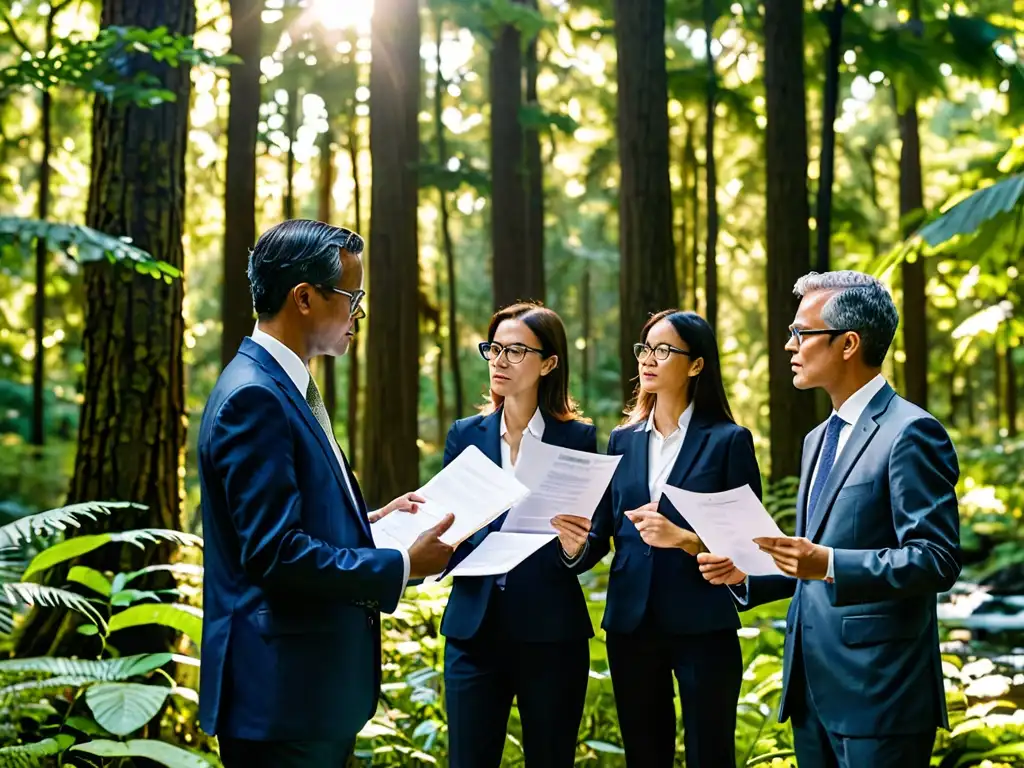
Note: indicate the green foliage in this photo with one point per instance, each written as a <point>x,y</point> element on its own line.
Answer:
<point>178,616</point>
<point>30,755</point>
<point>968,215</point>
<point>80,545</point>
<point>158,751</point>
<point>123,708</point>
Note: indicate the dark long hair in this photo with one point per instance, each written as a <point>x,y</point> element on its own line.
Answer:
<point>553,396</point>
<point>707,391</point>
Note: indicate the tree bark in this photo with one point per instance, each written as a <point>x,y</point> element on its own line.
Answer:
<point>914,320</point>
<point>446,235</point>
<point>792,412</point>
<point>324,215</point>
<point>711,249</point>
<point>647,274</point>
<point>826,174</point>
<point>352,416</point>
<point>292,129</point>
<point>392,454</point>
<point>131,436</point>
<point>515,274</point>
<point>240,191</point>
<point>1011,391</point>
<point>534,256</point>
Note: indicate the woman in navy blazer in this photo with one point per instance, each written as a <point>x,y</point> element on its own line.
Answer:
<point>661,618</point>
<point>524,635</point>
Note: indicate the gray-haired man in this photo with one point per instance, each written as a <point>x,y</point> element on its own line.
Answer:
<point>878,537</point>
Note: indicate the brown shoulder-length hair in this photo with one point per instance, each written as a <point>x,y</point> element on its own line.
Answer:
<point>707,390</point>
<point>553,396</point>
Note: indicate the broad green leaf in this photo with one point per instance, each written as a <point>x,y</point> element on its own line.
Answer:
<point>605,747</point>
<point>967,216</point>
<point>80,545</point>
<point>159,751</point>
<point>123,708</point>
<point>90,578</point>
<point>129,596</point>
<point>30,755</point>
<point>100,670</point>
<point>88,630</point>
<point>178,616</point>
<point>86,725</point>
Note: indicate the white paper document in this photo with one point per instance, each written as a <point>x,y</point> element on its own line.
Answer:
<point>500,552</point>
<point>472,487</point>
<point>727,523</point>
<point>561,481</point>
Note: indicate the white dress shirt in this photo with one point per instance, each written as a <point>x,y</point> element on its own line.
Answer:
<point>299,375</point>
<point>662,451</point>
<point>534,430</point>
<point>850,412</point>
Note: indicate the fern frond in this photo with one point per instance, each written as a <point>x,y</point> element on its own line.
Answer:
<point>29,527</point>
<point>28,593</point>
<point>37,688</point>
<point>142,536</point>
<point>102,670</point>
<point>31,755</point>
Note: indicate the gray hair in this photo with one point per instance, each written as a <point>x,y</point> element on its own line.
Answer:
<point>859,303</point>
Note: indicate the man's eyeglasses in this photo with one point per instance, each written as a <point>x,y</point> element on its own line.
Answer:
<point>800,333</point>
<point>355,311</point>
<point>514,353</point>
<point>661,351</point>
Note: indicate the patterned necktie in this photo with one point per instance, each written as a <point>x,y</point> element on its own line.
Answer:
<point>316,404</point>
<point>829,447</point>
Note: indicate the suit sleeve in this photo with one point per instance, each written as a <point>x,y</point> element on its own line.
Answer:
<point>602,526</point>
<point>759,590</point>
<point>742,468</point>
<point>251,448</point>
<point>923,471</point>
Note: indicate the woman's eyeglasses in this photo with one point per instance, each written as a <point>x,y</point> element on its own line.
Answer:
<point>514,353</point>
<point>661,351</point>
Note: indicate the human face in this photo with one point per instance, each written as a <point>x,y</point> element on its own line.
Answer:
<point>334,323</point>
<point>673,373</point>
<point>817,358</point>
<point>511,379</point>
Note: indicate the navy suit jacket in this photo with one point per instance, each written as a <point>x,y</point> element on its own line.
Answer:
<point>667,583</point>
<point>543,600</point>
<point>869,641</point>
<point>293,585</point>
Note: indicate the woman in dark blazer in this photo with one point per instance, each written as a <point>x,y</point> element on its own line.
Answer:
<point>523,635</point>
<point>662,617</point>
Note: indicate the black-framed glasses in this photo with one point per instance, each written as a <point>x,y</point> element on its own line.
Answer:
<point>514,353</point>
<point>354,298</point>
<point>661,351</point>
<point>800,333</point>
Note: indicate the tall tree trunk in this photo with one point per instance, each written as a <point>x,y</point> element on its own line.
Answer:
<point>585,301</point>
<point>826,173</point>
<point>240,191</point>
<point>392,455</point>
<point>711,249</point>
<point>792,412</point>
<point>695,218</point>
<point>131,436</point>
<point>647,274</point>
<point>324,215</point>
<point>533,259</point>
<point>292,129</point>
<point>998,363</point>
<point>38,435</point>
<point>446,235</point>
<point>352,416</point>
<point>1011,390</point>
<point>682,263</point>
<point>513,276</point>
<point>914,320</point>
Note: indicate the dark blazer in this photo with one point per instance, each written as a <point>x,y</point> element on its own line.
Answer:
<point>714,457</point>
<point>869,641</point>
<point>543,600</point>
<point>293,585</point>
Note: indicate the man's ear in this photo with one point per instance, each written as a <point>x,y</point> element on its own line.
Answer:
<point>302,295</point>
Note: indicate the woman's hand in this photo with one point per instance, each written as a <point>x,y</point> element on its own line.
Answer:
<point>658,531</point>
<point>572,532</point>
<point>406,502</point>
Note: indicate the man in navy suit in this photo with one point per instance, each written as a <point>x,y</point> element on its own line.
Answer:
<point>293,587</point>
<point>878,537</point>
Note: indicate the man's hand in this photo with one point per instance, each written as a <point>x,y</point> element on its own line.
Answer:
<point>572,532</point>
<point>719,570</point>
<point>795,556</point>
<point>407,503</point>
<point>429,555</point>
<point>657,531</point>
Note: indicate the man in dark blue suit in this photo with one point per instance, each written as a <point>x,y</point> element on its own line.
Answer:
<point>293,587</point>
<point>878,537</point>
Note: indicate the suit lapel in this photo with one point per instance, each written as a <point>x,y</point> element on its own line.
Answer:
<point>267,362</point>
<point>693,442</point>
<point>488,440</point>
<point>812,447</point>
<point>364,520</point>
<point>863,431</point>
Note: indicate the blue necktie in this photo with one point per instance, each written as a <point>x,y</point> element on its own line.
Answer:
<point>829,446</point>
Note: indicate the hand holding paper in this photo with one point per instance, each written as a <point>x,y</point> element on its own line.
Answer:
<point>727,523</point>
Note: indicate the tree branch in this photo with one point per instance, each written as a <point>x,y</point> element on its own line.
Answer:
<point>14,32</point>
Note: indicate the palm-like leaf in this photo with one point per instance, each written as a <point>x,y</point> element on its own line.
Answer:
<point>80,545</point>
<point>39,594</point>
<point>101,670</point>
<point>34,689</point>
<point>29,527</point>
<point>30,755</point>
<point>968,215</point>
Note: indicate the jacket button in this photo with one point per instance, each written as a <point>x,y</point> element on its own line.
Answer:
<point>370,621</point>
